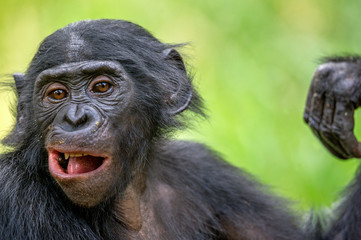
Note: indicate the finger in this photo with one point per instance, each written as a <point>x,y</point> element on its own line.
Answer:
<point>325,132</point>
<point>318,86</point>
<point>353,145</point>
<point>306,113</point>
<point>334,150</point>
<point>328,112</point>
<point>316,111</point>
<point>343,126</point>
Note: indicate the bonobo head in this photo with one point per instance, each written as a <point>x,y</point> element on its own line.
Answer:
<point>97,95</point>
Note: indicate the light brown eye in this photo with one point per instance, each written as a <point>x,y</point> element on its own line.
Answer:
<point>101,87</point>
<point>101,84</point>
<point>56,91</point>
<point>57,94</point>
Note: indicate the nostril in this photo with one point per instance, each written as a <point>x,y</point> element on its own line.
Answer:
<point>76,120</point>
<point>73,118</point>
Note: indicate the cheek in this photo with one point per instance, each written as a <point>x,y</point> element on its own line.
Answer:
<point>45,117</point>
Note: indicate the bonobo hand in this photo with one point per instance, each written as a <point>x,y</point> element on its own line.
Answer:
<point>333,96</point>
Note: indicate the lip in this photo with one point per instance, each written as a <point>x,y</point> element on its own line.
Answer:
<point>59,172</point>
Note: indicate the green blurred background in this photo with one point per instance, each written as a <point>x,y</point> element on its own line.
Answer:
<point>253,62</point>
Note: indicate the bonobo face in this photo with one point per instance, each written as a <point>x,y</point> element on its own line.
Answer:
<point>79,107</point>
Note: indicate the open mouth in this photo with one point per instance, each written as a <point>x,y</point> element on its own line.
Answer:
<point>74,163</point>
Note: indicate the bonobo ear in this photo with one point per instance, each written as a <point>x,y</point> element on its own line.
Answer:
<point>173,55</point>
<point>17,134</point>
<point>19,81</point>
<point>182,92</point>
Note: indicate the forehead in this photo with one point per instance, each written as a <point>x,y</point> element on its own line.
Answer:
<point>80,68</point>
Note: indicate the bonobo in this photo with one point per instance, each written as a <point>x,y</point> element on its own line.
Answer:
<point>91,156</point>
<point>334,95</point>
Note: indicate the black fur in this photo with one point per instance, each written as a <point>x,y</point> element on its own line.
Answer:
<point>347,218</point>
<point>192,193</point>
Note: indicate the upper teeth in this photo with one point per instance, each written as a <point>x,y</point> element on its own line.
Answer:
<point>67,155</point>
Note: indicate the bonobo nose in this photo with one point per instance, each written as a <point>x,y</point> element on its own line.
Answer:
<point>77,118</point>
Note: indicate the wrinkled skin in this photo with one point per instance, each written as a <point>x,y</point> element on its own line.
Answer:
<point>332,99</point>
<point>75,104</point>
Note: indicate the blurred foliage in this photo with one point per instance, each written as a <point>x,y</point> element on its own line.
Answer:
<point>253,62</point>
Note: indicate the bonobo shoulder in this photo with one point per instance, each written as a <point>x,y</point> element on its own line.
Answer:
<point>201,178</point>
<point>195,163</point>
<point>190,153</point>
<point>181,148</point>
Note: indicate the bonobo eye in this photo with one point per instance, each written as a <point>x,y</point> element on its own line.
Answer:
<point>101,84</point>
<point>101,87</point>
<point>56,91</point>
